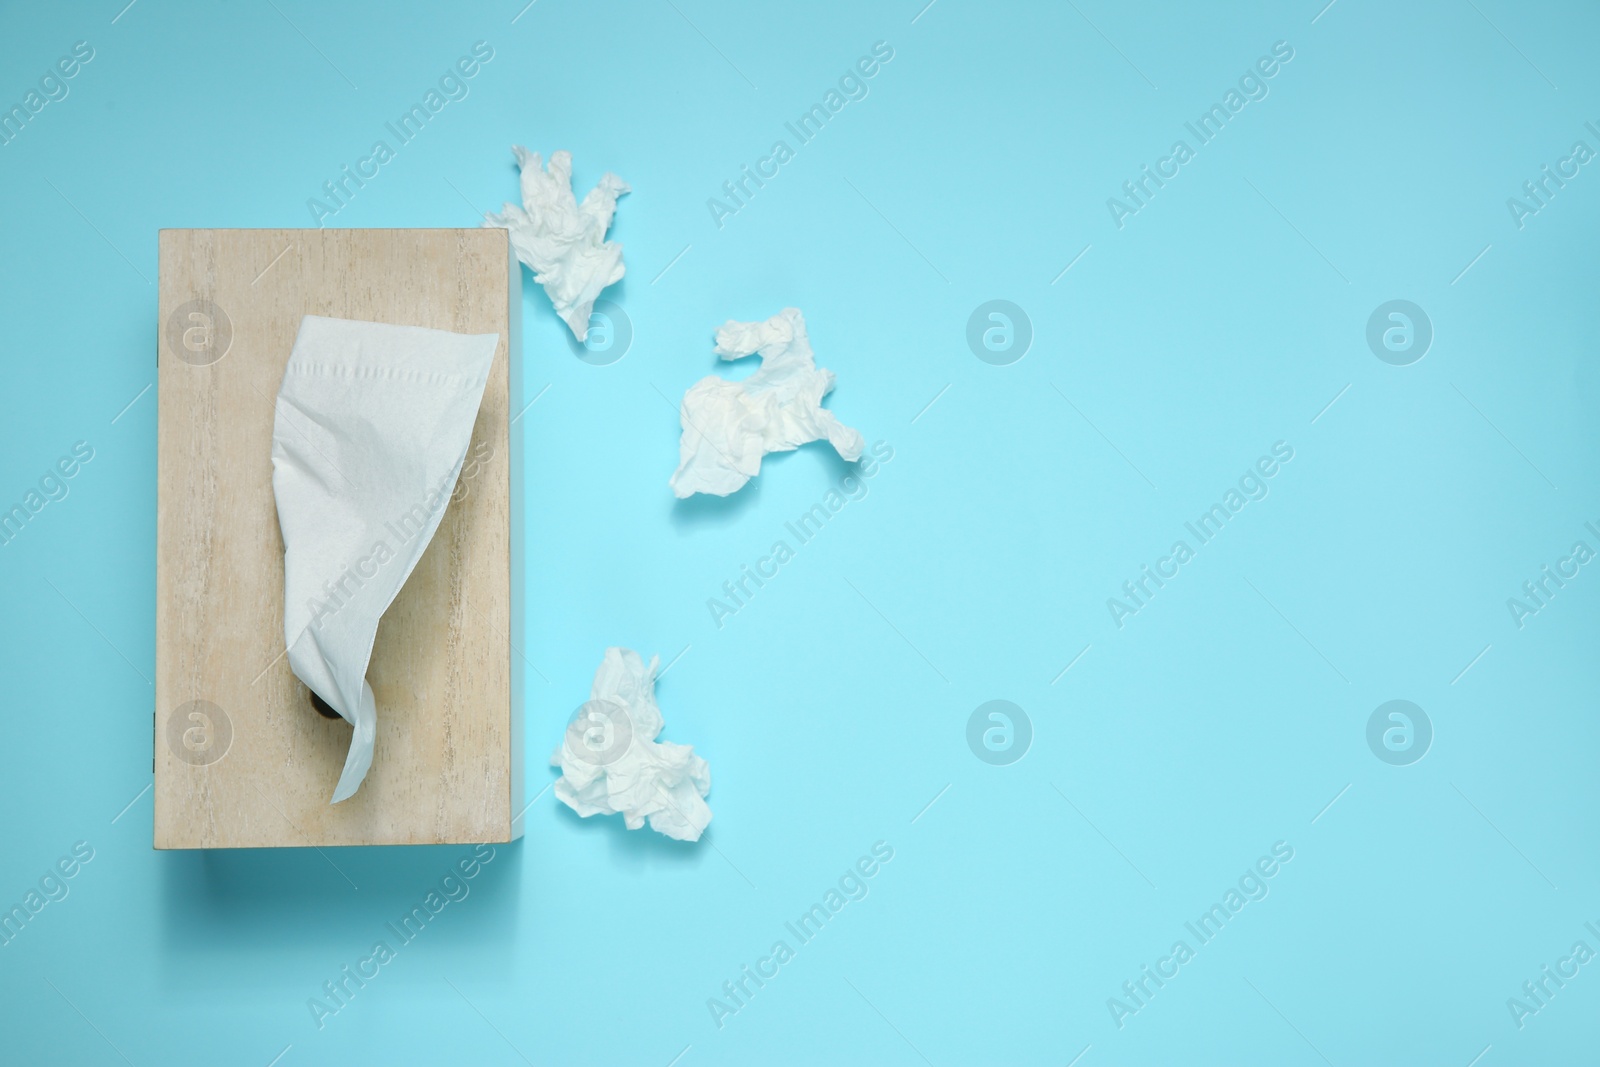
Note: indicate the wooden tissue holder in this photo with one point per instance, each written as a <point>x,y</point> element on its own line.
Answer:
<point>242,760</point>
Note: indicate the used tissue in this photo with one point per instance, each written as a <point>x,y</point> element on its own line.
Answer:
<point>369,434</point>
<point>611,762</point>
<point>563,242</point>
<point>729,425</point>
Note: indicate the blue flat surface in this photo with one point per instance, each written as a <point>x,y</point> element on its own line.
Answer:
<point>1204,743</point>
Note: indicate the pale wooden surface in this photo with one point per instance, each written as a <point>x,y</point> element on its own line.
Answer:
<point>446,767</point>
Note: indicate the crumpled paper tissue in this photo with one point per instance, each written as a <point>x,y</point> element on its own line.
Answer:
<point>369,434</point>
<point>612,763</point>
<point>729,425</point>
<point>563,242</point>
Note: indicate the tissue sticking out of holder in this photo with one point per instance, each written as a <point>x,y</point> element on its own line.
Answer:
<point>368,439</point>
<point>322,707</point>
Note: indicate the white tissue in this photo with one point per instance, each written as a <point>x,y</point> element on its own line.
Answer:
<point>371,428</point>
<point>563,242</point>
<point>729,425</point>
<point>611,762</point>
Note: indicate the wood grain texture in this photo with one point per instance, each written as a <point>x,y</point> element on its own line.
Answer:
<point>447,762</point>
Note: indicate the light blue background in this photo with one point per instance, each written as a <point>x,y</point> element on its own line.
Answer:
<point>1222,318</point>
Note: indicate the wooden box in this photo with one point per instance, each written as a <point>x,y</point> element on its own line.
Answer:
<point>241,757</point>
